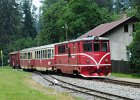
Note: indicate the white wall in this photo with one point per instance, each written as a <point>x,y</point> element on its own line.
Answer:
<point>118,42</point>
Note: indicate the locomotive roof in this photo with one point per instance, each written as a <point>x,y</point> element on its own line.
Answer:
<point>85,39</point>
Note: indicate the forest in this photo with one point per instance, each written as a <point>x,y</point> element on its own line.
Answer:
<point>21,27</point>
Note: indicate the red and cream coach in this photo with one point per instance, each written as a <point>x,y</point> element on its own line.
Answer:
<point>88,57</point>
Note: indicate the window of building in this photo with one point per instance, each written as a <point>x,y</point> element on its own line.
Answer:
<point>87,46</point>
<point>126,28</point>
<point>105,46</point>
<point>96,46</point>
<point>61,49</point>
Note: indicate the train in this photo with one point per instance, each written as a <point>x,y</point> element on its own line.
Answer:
<point>87,57</point>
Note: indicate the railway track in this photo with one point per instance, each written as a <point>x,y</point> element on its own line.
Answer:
<point>83,90</point>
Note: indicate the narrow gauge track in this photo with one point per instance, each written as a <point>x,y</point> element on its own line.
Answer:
<point>87,91</point>
<point>119,82</point>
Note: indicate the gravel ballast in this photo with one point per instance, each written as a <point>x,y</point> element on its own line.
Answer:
<point>125,91</point>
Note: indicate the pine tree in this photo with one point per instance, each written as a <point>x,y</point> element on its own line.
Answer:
<point>28,29</point>
<point>9,22</point>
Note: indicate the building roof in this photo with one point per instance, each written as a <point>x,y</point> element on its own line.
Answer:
<point>104,28</point>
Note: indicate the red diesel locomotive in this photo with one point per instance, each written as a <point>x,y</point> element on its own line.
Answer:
<point>88,57</point>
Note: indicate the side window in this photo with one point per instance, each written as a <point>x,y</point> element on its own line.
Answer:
<point>25,55</point>
<point>61,49</point>
<point>49,53</point>
<point>45,53</point>
<point>21,56</point>
<point>29,55</point>
<point>96,46</point>
<point>105,46</point>
<point>87,46</point>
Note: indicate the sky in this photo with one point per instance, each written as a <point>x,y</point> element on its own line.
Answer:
<point>37,3</point>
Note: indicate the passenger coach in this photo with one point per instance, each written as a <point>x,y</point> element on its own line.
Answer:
<point>39,58</point>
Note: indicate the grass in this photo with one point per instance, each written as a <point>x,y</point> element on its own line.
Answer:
<point>122,75</point>
<point>18,85</point>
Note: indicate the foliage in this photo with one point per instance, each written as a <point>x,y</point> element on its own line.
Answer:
<point>28,29</point>
<point>135,45</point>
<point>104,3</point>
<point>22,43</point>
<point>74,17</point>
<point>9,22</point>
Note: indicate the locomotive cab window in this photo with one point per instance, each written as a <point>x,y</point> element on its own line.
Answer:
<point>87,46</point>
<point>96,46</point>
<point>104,46</point>
<point>61,49</point>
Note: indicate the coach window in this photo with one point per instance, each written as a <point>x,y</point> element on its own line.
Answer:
<point>49,53</point>
<point>21,56</point>
<point>41,54</point>
<point>96,46</point>
<point>105,46</point>
<point>29,55</point>
<point>87,46</point>
<point>52,53</point>
<point>61,49</point>
<point>35,54</point>
<point>45,53</point>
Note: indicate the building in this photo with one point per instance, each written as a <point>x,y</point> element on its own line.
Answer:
<point>120,34</point>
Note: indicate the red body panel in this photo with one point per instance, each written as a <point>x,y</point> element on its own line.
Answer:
<point>28,64</point>
<point>44,64</point>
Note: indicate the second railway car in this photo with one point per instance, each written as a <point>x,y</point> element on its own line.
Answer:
<point>39,58</point>
<point>88,57</point>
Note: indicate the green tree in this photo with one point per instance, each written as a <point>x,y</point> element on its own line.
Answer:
<point>9,22</point>
<point>74,17</point>
<point>135,45</point>
<point>50,30</point>
<point>104,3</point>
<point>28,29</point>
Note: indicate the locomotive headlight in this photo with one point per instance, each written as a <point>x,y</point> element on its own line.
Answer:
<point>106,60</point>
<point>88,61</point>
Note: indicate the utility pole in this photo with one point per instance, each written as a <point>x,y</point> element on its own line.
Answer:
<point>1,58</point>
<point>66,28</point>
